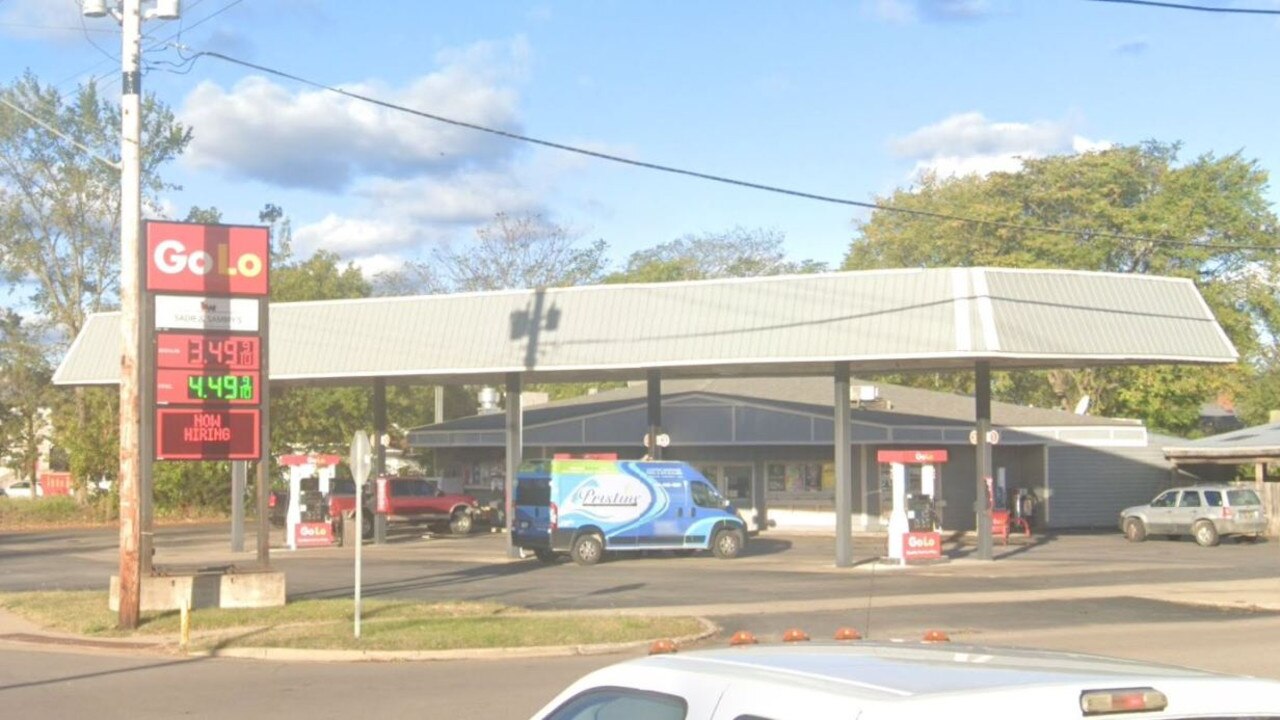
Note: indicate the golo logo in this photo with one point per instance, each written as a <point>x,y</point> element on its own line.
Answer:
<point>171,258</point>
<point>921,541</point>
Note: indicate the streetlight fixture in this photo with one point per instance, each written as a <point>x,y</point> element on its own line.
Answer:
<point>135,429</point>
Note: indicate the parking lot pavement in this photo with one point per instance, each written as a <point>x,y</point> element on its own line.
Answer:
<point>779,570</point>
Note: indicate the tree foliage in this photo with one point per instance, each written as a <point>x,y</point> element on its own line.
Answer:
<point>60,231</point>
<point>509,252</point>
<point>1205,220</point>
<point>24,395</point>
<point>738,252</point>
<point>59,200</point>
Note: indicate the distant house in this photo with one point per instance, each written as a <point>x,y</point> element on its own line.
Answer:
<point>767,444</point>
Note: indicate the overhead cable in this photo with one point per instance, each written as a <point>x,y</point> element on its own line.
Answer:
<point>1198,8</point>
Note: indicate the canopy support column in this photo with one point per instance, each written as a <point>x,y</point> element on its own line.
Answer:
<point>844,474</point>
<point>515,446</point>
<point>982,402</point>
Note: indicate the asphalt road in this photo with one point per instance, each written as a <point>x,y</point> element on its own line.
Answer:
<point>774,569</point>
<point>780,583</point>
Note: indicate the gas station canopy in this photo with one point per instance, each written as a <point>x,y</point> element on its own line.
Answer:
<point>885,320</point>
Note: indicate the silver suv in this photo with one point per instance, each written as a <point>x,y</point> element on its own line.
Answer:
<point>1206,512</point>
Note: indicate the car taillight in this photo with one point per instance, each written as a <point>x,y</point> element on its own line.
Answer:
<point>555,517</point>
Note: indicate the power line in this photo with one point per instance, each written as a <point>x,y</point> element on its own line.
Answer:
<point>1088,234</point>
<point>1198,8</point>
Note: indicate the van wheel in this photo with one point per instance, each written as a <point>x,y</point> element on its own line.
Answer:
<point>460,523</point>
<point>587,549</point>
<point>726,544</point>
<point>546,556</point>
<point>1205,533</point>
<point>1135,530</point>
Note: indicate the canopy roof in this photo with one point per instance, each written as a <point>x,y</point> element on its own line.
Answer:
<point>884,320</point>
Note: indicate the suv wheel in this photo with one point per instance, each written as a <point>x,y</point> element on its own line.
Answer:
<point>460,523</point>
<point>1205,533</point>
<point>1135,530</point>
<point>587,549</point>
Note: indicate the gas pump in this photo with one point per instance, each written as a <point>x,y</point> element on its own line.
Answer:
<point>914,520</point>
<point>307,522</point>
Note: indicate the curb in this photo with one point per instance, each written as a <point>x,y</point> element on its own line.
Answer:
<point>539,651</point>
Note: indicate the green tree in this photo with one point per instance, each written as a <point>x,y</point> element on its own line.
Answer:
<point>1205,220</point>
<point>60,224</point>
<point>208,216</point>
<point>307,417</point>
<point>509,252</point>
<point>24,395</point>
<point>738,252</point>
<point>59,200</point>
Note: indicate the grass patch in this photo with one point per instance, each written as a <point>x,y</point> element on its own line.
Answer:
<point>327,624</point>
<point>64,511</point>
<point>61,511</point>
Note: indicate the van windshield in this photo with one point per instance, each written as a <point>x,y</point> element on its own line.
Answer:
<point>533,492</point>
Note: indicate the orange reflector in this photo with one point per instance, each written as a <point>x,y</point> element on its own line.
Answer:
<point>742,637</point>
<point>1125,700</point>
<point>932,636</point>
<point>662,647</point>
<point>848,633</point>
<point>795,635</point>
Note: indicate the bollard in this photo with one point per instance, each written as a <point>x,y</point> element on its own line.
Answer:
<point>184,611</point>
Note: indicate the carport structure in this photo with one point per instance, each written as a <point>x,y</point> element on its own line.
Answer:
<point>829,325</point>
<point>1258,446</point>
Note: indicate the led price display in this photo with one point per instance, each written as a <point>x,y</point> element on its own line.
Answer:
<point>191,387</point>
<point>224,388</point>
<point>199,352</point>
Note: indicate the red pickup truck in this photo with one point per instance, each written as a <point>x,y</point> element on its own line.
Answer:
<point>408,500</point>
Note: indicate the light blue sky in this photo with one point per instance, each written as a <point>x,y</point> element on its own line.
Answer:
<point>849,99</point>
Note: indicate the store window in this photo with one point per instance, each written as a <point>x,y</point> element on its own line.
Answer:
<point>800,477</point>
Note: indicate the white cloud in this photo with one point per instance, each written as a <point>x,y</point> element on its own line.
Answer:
<point>320,140</point>
<point>468,197</point>
<point>349,237</point>
<point>904,12</point>
<point>894,11</point>
<point>969,143</point>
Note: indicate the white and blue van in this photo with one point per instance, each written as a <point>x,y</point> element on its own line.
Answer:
<point>585,507</point>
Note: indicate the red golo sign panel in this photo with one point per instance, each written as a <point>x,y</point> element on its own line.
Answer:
<point>207,259</point>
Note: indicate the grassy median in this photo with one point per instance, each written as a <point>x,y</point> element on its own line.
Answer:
<point>327,624</point>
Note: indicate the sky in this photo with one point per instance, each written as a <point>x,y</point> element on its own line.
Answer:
<point>849,99</point>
